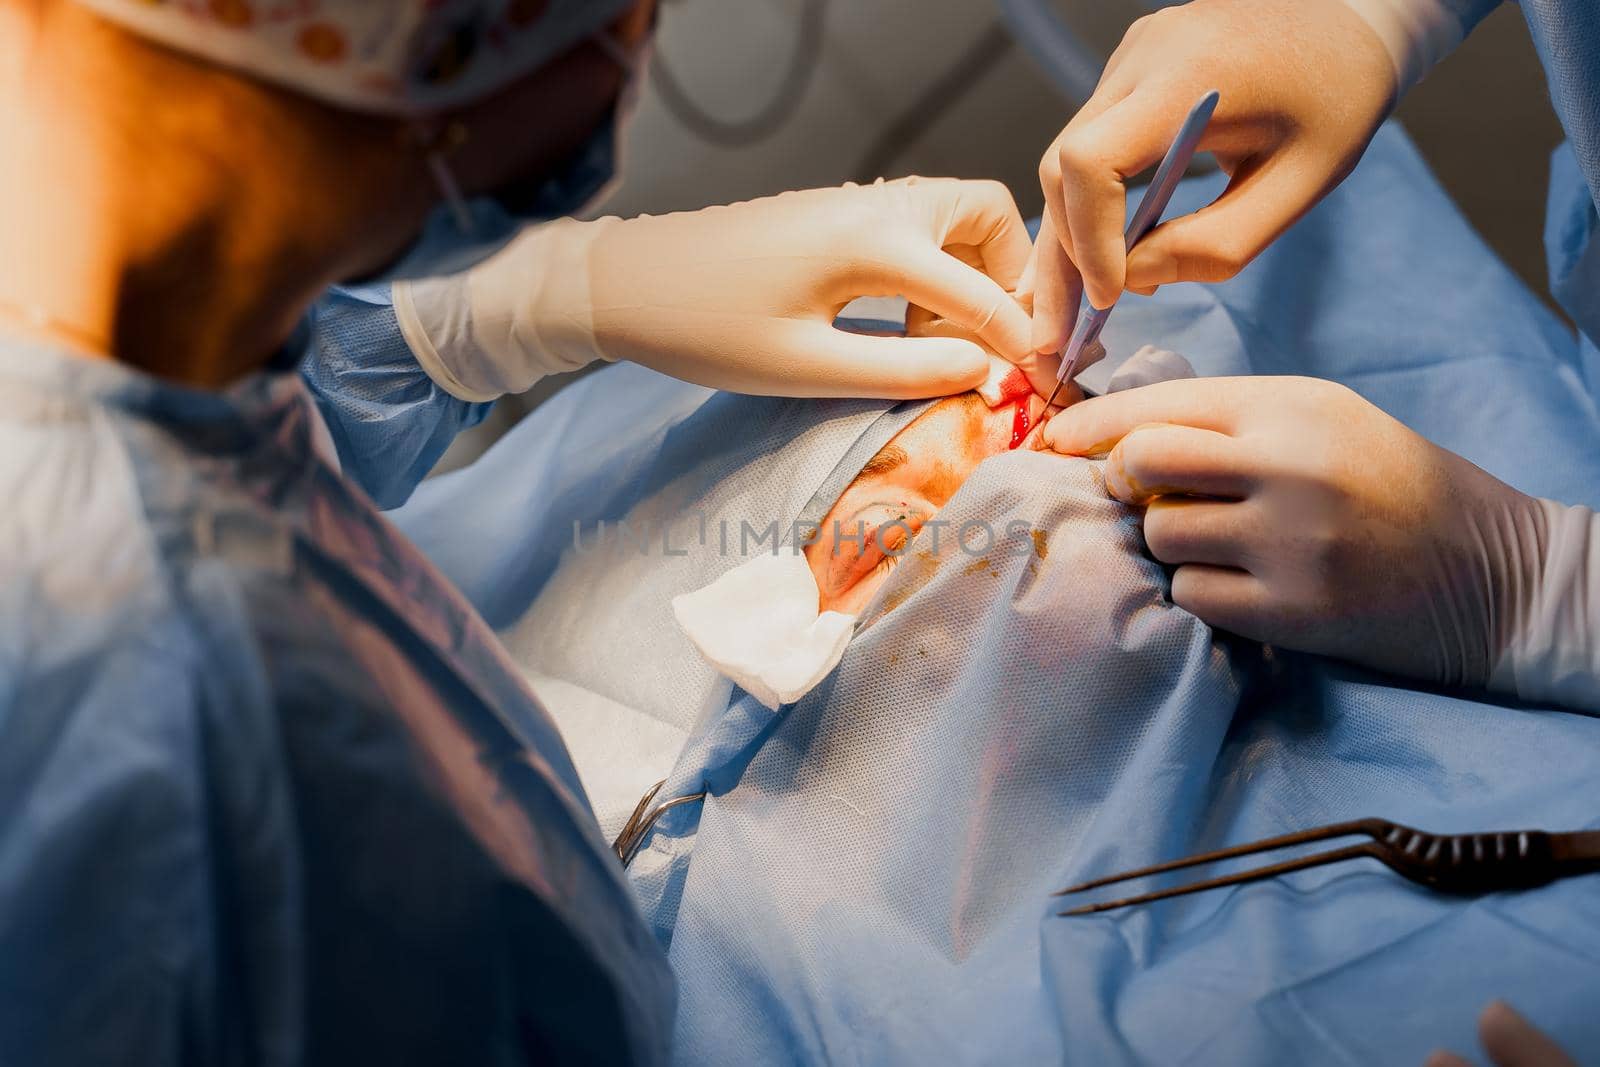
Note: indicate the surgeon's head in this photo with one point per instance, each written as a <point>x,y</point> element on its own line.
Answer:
<point>902,487</point>
<point>521,135</point>
<point>275,148</point>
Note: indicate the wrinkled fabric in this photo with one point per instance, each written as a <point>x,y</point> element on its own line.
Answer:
<point>270,790</point>
<point>868,879</point>
<point>390,423</point>
<point>1348,964</point>
<point>1566,34</point>
<point>399,57</point>
<point>1573,257</point>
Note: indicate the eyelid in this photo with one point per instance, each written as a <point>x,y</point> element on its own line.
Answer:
<point>845,570</point>
<point>899,530</point>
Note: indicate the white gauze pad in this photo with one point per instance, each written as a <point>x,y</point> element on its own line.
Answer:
<point>760,626</point>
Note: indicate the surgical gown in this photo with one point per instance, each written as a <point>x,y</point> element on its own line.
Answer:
<point>1566,34</point>
<point>270,791</point>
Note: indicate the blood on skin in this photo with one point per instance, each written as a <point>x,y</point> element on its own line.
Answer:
<point>1014,386</point>
<point>1005,384</point>
<point>1021,423</point>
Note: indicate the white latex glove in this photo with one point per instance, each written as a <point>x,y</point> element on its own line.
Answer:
<point>1303,88</point>
<point>1299,514</point>
<point>740,297</point>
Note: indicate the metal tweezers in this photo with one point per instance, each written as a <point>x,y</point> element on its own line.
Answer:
<point>644,819</point>
<point>1459,864</point>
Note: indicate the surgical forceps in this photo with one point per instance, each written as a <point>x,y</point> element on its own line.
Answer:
<point>1156,197</point>
<point>1458,864</point>
<point>644,819</point>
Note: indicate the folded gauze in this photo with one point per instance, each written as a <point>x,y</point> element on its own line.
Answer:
<point>759,625</point>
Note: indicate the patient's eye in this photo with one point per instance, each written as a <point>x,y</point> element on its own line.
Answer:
<point>892,537</point>
<point>872,539</point>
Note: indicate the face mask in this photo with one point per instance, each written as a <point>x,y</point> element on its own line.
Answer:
<point>462,232</point>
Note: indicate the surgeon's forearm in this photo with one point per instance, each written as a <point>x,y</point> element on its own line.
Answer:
<point>1550,616</point>
<point>1418,34</point>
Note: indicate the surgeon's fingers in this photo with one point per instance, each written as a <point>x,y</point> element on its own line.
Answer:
<point>1180,529</point>
<point>1161,460</point>
<point>1111,90</point>
<point>1512,1041</point>
<point>1441,1058</point>
<point>1223,597</point>
<point>895,368</point>
<point>942,283</point>
<point>1057,290</point>
<point>920,322</point>
<point>1263,199</point>
<point>1039,368</point>
<point>984,216</point>
<point>1059,279</point>
<point>1026,283</point>
<point>1094,427</point>
<point>1096,160</point>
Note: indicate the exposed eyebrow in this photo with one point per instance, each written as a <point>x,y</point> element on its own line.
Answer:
<point>893,457</point>
<point>887,461</point>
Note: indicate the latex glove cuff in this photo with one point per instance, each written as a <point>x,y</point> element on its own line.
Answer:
<point>1550,645</point>
<point>522,314</point>
<point>1417,34</point>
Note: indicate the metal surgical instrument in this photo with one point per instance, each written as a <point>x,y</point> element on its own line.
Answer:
<point>1458,864</point>
<point>1156,197</point>
<point>644,819</point>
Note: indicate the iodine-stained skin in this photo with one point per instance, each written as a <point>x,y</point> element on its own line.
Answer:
<point>1006,384</point>
<point>900,490</point>
<point>1007,387</point>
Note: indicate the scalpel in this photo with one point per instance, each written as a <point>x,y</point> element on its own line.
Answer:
<point>1145,217</point>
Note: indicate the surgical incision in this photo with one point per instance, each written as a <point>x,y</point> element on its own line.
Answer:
<point>902,487</point>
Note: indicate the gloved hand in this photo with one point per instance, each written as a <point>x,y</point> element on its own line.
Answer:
<point>1304,87</point>
<point>1299,514</point>
<point>740,297</point>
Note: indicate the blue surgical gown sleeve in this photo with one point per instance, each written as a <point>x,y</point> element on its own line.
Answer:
<point>389,421</point>
<point>1566,34</point>
<point>1567,37</point>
